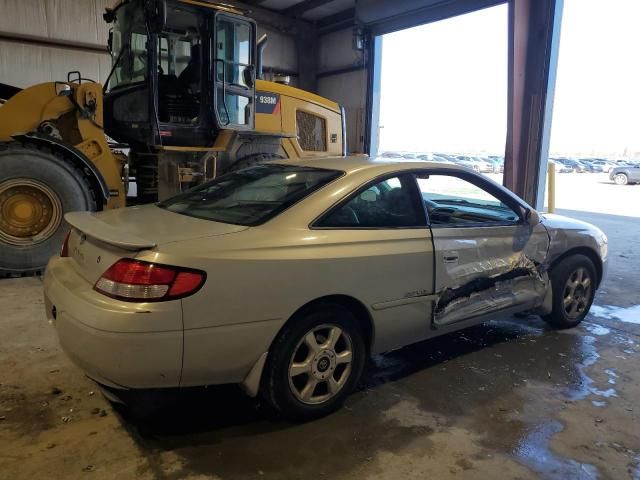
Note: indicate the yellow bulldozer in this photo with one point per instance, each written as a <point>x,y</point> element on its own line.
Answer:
<point>183,103</point>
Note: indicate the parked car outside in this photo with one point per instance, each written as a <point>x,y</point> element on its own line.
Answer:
<point>498,163</point>
<point>606,165</point>
<point>284,277</point>
<point>625,175</point>
<point>391,155</point>
<point>467,162</point>
<point>484,165</point>
<point>590,167</point>
<point>560,167</point>
<point>574,165</point>
<point>624,163</point>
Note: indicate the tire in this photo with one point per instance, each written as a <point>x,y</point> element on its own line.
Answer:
<point>572,280</point>
<point>620,179</point>
<point>326,367</point>
<point>251,160</point>
<point>60,187</point>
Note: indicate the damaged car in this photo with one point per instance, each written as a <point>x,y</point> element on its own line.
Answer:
<point>285,277</point>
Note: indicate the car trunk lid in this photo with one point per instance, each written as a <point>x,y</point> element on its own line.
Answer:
<point>98,240</point>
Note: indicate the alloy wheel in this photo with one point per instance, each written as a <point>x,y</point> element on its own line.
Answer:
<point>620,179</point>
<point>577,293</point>
<point>321,364</point>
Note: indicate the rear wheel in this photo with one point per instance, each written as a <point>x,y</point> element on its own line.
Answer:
<point>620,179</point>
<point>314,363</point>
<point>36,190</point>
<point>573,283</point>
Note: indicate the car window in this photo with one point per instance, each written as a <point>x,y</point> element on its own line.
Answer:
<point>454,201</point>
<point>250,196</point>
<point>390,203</point>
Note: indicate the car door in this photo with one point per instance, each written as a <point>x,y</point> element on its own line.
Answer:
<point>485,251</point>
<point>377,248</point>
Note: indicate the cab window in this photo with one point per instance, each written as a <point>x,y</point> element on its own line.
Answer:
<point>234,71</point>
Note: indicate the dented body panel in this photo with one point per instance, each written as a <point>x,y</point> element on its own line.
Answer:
<point>480,270</point>
<point>566,234</point>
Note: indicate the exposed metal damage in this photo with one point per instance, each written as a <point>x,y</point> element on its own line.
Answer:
<point>520,282</point>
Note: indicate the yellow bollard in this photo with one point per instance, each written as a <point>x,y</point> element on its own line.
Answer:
<point>551,187</point>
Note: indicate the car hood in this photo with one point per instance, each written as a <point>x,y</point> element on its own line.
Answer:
<point>146,226</point>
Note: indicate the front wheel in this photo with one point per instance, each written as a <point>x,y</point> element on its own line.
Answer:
<point>314,363</point>
<point>573,284</point>
<point>620,179</point>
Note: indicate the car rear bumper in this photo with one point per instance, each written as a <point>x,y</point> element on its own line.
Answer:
<point>116,343</point>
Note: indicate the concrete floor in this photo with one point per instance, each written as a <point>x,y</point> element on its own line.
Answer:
<point>509,399</point>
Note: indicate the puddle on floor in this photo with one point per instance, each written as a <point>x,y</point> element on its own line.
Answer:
<point>587,386</point>
<point>611,312</point>
<point>534,451</point>
<point>596,329</point>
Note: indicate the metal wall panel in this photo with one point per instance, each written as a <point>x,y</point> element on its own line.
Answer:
<point>281,50</point>
<point>335,51</point>
<point>343,78</point>
<point>78,21</point>
<point>23,64</point>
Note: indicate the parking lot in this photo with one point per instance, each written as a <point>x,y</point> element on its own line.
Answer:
<point>593,192</point>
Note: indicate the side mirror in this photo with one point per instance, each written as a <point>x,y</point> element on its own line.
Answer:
<point>247,76</point>
<point>531,217</point>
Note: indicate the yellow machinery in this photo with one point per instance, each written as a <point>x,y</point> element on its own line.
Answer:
<point>184,102</point>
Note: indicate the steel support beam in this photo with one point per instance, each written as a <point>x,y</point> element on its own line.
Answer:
<point>306,52</point>
<point>298,9</point>
<point>534,29</point>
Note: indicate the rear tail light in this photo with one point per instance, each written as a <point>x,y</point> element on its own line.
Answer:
<point>64,250</point>
<point>134,280</point>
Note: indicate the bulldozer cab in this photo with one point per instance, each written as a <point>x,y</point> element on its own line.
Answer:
<point>181,71</point>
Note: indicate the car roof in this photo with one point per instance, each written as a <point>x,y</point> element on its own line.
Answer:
<point>377,166</point>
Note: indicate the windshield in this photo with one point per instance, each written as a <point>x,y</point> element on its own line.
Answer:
<point>250,196</point>
<point>128,49</point>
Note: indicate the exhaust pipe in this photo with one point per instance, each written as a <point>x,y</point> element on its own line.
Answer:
<point>262,42</point>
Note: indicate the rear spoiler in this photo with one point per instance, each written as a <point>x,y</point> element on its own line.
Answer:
<point>8,91</point>
<point>91,226</point>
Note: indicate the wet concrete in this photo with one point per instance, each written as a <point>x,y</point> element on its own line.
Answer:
<point>507,399</point>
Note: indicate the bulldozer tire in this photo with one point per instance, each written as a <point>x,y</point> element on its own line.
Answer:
<point>37,187</point>
<point>251,160</point>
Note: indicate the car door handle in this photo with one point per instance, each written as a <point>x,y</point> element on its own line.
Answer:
<point>450,258</point>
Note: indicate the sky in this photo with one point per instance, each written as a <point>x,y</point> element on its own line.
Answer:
<point>444,85</point>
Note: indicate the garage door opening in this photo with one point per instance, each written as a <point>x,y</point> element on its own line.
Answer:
<point>443,91</point>
<point>594,145</point>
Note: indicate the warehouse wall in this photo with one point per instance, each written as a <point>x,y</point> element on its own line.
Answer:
<point>343,78</point>
<point>24,64</point>
<point>37,22</point>
<point>41,41</point>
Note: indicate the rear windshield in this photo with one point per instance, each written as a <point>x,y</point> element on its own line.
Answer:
<point>250,196</point>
